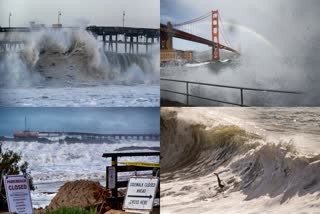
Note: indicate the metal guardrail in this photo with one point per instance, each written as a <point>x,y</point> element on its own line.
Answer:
<point>241,90</point>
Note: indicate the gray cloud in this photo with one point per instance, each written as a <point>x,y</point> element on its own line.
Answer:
<point>139,13</point>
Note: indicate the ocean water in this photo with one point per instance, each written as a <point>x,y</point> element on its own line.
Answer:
<point>297,125</point>
<point>277,173</point>
<point>53,164</point>
<point>72,68</point>
<point>112,95</point>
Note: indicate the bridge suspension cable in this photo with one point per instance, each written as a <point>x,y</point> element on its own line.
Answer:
<point>223,32</point>
<point>204,16</point>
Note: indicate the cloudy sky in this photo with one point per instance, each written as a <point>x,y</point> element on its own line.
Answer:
<point>139,13</point>
<point>93,120</point>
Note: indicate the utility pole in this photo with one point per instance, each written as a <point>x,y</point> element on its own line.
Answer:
<point>123,14</point>
<point>10,14</point>
<point>59,14</point>
<point>25,123</point>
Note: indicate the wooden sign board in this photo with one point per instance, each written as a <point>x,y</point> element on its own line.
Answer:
<point>18,194</point>
<point>140,193</point>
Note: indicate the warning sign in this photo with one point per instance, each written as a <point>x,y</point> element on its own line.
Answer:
<point>18,194</point>
<point>140,194</point>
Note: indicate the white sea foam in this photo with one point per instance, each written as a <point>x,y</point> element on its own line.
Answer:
<point>266,174</point>
<point>52,164</point>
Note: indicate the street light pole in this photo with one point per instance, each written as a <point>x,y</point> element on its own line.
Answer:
<point>10,14</point>
<point>123,14</point>
<point>59,14</point>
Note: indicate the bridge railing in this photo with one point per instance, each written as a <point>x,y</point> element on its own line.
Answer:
<point>187,93</point>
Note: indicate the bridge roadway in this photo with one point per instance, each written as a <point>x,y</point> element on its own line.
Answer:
<point>98,30</point>
<point>102,136</point>
<point>166,32</point>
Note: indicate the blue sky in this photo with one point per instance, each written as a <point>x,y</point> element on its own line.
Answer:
<point>95,120</point>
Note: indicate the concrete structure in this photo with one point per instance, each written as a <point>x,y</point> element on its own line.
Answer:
<point>176,55</point>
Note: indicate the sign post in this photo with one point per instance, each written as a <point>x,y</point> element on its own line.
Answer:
<point>111,177</point>
<point>18,194</point>
<point>140,194</point>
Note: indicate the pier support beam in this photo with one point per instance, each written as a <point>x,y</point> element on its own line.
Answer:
<point>131,49</point>
<point>104,42</point>
<point>146,45</point>
<point>116,43</point>
<point>110,43</point>
<point>137,48</point>
<point>125,43</point>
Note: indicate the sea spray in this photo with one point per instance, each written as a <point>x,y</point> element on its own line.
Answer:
<point>67,56</point>
<point>19,74</point>
<point>53,162</point>
<point>259,167</point>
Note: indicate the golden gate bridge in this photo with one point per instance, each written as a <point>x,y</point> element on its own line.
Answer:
<point>169,30</point>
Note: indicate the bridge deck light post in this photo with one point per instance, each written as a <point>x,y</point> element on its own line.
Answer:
<point>10,14</point>
<point>123,15</point>
<point>59,14</point>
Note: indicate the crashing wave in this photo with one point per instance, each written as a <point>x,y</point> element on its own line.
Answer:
<point>68,56</point>
<point>245,161</point>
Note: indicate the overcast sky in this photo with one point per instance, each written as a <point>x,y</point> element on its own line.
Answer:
<point>93,120</point>
<point>284,23</point>
<point>139,13</point>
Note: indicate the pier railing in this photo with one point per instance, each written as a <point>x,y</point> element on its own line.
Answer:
<point>187,93</point>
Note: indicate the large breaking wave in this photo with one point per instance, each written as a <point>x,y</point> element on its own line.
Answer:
<point>246,162</point>
<point>71,57</point>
